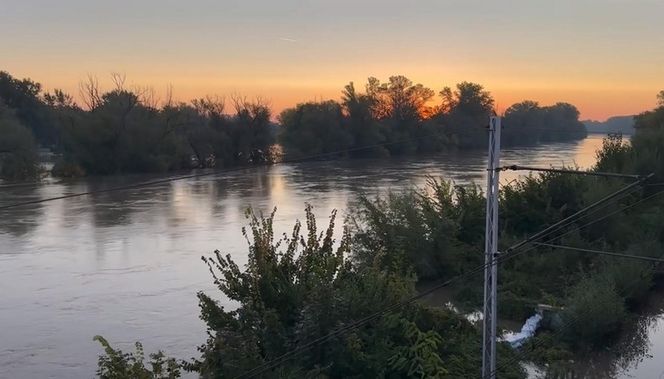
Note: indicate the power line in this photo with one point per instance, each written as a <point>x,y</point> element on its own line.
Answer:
<point>566,171</point>
<point>595,204</point>
<point>600,252</point>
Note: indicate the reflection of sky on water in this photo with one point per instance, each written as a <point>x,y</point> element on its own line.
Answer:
<point>127,264</point>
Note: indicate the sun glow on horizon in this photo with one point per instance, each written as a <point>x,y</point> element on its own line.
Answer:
<point>606,60</point>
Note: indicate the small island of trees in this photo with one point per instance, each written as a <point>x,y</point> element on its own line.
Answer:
<point>127,130</point>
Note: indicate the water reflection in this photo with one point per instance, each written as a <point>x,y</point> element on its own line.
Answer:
<point>19,221</point>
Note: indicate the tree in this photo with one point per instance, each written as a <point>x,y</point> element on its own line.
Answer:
<point>252,134</point>
<point>399,99</point>
<point>18,155</point>
<point>315,128</point>
<point>594,311</point>
<point>365,129</point>
<point>292,296</point>
<point>465,112</point>
<point>562,123</point>
<point>430,231</point>
<point>523,122</point>
<point>23,96</point>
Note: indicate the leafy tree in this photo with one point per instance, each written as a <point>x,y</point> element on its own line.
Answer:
<point>465,113</point>
<point>427,230</point>
<point>527,122</point>
<point>18,155</point>
<point>648,142</point>
<point>23,96</point>
<point>365,129</point>
<point>523,122</point>
<point>399,99</point>
<point>562,123</point>
<point>594,312</point>
<point>314,128</point>
<point>252,134</point>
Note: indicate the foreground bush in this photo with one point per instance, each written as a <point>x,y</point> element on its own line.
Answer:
<point>115,364</point>
<point>302,287</point>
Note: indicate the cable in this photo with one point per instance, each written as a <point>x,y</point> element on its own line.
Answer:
<point>565,171</point>
<point>593,205</point>
<point>600,252</point>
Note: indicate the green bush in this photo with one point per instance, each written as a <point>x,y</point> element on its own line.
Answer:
<point>115,364</point>
<point>593,312</point>
<point>18,151</point>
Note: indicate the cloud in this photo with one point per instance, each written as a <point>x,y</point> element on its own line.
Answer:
<point>287,39</point>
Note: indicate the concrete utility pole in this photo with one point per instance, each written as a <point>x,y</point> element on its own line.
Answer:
<point>491,253</point>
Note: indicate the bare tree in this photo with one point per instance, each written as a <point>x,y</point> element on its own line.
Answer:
<point>168,102</point>
<point>251,112</point>
<point>210,105</point>
<point>148,97</point>
<point>119,80</point>
<point>89,91</point>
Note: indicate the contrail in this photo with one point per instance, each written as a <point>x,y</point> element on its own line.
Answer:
<point>287,39</point>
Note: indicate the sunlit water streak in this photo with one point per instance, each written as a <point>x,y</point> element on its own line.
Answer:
<point>127,265</point>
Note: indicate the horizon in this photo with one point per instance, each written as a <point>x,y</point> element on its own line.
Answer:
<point>605,57</point>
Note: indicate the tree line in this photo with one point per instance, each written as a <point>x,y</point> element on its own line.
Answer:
<point>127,129</point>
<point>400,117</point>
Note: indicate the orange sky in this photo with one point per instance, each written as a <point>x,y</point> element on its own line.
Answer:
<point>606,57</point>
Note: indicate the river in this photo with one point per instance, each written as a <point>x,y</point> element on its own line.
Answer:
<point>127,265</point>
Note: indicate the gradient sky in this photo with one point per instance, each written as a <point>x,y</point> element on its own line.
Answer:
<point>606,57</point>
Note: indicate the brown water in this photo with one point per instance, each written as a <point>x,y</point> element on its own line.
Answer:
<point>127,265</point>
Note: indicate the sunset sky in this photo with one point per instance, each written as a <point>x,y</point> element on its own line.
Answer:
<point>606,57</point>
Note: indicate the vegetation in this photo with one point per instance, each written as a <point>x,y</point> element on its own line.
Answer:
<point>306,285</point>
<point>530,123</point>
<point>18,155</point>
<point>115,364</point>
<point>302,287</point>
<point>402,118</point>
<point>126,129</point>
<point>597,293</point>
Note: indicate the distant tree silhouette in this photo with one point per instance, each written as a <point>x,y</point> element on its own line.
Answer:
<point>18,156</point>
<point>127,130</point>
